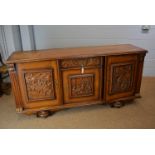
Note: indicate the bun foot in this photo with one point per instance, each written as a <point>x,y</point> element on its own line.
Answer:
<point>117,104</point>
<point>44,114</point>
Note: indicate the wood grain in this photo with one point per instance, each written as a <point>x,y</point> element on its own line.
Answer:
<point>61,53</point>
<point>55,79</point>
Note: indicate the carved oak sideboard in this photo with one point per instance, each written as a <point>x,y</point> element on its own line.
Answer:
<point>49,80</point>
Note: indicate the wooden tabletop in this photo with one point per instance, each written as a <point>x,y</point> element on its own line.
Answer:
<point>60,53</point>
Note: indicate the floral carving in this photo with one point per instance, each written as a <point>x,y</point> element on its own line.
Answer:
<point>39,85</point>
<point>121,78</point>
<point>80,62</point>
<point>81,85</point>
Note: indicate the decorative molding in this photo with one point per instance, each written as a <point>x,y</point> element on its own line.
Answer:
<point>85,62</point>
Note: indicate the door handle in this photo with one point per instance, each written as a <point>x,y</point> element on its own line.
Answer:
<point>82,69</point>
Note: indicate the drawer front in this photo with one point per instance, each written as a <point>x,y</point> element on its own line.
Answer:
<point>78,62</point>
<point>79,87</point>
<point>39,84</point>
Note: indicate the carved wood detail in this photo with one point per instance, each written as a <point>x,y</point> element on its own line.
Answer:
<point>122,77</point>
<point>81,85</point>
<point>86,76</point>
<point>86,62</point>
<point>39,84</point>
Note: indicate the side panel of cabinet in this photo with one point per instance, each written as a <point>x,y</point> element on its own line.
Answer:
<point>79,87</point>
<point>39,84</point>
<point>121,77</point>
<point>139,72</point>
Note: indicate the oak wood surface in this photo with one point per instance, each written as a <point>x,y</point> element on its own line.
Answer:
<point>54,79</point>
<point>121,76</point>
<point>81,87</point>
<point>61,53</point>
<point>41,68</point>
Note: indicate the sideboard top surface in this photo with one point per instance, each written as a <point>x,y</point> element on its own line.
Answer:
<point>60,53</point>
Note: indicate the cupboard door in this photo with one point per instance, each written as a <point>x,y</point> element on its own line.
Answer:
<point>39,83</point>
<point>121,76</point>
<point>80,87</point>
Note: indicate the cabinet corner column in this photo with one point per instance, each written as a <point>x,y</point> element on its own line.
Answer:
<point>139,73</point>
<point>15,87</point>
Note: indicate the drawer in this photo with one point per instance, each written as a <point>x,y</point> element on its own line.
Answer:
<point>78,62</point>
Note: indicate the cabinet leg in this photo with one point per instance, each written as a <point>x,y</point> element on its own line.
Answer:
<point>117,104</point>
<point>44,113</point>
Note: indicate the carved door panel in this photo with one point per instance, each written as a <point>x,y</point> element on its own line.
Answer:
<point>121,75</point>
<point>39,82</point>
<point>80,87</point>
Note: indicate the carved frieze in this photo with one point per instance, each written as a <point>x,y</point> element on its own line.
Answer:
<point>81,85</point>
<point>122,77</point>
<point>39,84</point>
<point>80,62</point>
